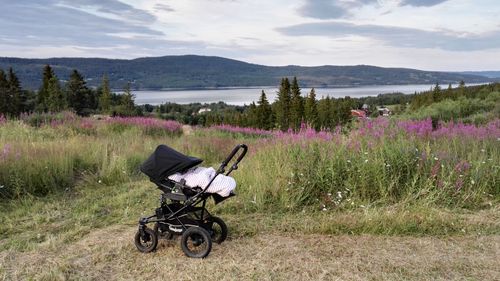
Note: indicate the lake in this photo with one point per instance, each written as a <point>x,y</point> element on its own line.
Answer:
<point>241,96</point>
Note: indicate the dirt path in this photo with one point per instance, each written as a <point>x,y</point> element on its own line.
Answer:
<point>109,254</point>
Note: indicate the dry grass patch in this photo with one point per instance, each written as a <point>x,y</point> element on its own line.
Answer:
<point>109,254</point>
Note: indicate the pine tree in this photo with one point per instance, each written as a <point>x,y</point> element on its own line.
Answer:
<point>282,105</point>
<point>78,93</point>
<point>43,93</point>
<point>296,106</point>
<point>105,98</point>
<point>56,97</point>
<point>264,112</point>
<point>4,98</point>
<point>14,94</point>
<point>311,110</point>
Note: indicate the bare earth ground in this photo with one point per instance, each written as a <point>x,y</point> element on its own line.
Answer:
<point>109,254</point>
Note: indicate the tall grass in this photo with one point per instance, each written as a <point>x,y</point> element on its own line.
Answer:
<point>378,162</point>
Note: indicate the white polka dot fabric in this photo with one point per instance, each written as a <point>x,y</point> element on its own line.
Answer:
<point>200,177</point>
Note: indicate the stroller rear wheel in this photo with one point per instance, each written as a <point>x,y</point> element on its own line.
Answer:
<point>196,242</point>
<point>219,230</point>
<point>146,243</point>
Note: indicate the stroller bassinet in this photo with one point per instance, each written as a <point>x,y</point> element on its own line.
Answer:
<point>179,213</point>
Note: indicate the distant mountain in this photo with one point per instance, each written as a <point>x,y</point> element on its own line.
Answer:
<point>489,74</point>
<point>192,71</point>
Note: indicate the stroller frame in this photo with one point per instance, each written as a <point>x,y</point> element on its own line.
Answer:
<point>187,218</point>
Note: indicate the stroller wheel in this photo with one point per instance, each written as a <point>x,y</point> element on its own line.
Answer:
<point>148,242</point>
<point>196,242</point>
<point>219,230</point>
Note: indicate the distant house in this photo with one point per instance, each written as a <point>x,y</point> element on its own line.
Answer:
<point>383,111</point>
<point>358,113</point>
<point>203,110</point>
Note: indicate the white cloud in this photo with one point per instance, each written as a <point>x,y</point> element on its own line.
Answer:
<point>255,31</point>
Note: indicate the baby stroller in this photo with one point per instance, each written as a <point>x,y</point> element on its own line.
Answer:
<point>179,212</point>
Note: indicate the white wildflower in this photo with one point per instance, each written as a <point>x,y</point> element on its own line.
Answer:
<point>435,158</point>
<point>366,160</point>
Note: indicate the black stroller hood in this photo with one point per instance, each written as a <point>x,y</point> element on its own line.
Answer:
<point>166,161</point>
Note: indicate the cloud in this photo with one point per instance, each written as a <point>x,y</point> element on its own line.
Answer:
<point>421,3</point>
<point>91,24</point>
<point>399,36</point>
<point>163,7</point>
<point>330,9</point>
<point>111,7</point>
<point>323,9</point>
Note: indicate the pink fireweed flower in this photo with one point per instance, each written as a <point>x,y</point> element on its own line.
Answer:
<point>459,184</point>
<point>86,124</point>
<point>435,169</point>
<point>241,130</point>
<point>5,151</point>
<point>147,122</point>
<point>3,120</point>
<point>462,167</point>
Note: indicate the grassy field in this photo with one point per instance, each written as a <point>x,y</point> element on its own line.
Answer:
<point>385,199</point>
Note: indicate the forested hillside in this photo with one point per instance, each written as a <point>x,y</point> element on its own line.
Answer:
<point>205,72</point>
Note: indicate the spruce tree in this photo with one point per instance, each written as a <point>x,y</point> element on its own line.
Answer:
<point>297,106</point>
<point>282,105</point>
<point>56,97</point>
<point>43,93</point>
<point>252,116</point>
<point>324,115</point>
<point>78,93</point>
<point>14,94</point>
<point>264,112</point>
<point>127,101</point>
<point>105,98</point>
<point>461,89</point>
<point>4,98</point>
<point>436,93</point>
<point>311,110</point>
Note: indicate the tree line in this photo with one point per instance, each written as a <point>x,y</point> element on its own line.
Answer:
<point>438,94</point>
<point>290,110</point>
<point>52,96</point>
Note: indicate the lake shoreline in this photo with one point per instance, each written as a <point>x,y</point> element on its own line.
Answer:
<point>247,95</point>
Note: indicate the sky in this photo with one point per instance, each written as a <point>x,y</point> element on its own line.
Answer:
<point>446,35</point>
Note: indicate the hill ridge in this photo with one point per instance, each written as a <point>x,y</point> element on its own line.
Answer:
<point>195,71</point>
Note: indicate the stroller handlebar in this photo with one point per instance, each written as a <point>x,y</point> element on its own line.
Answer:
<point>230,157</point>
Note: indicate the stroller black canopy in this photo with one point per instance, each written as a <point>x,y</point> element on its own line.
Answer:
<point>166,161</point>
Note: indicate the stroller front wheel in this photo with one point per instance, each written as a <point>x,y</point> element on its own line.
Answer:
<point>146,243</point>
<point>196,242</point>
